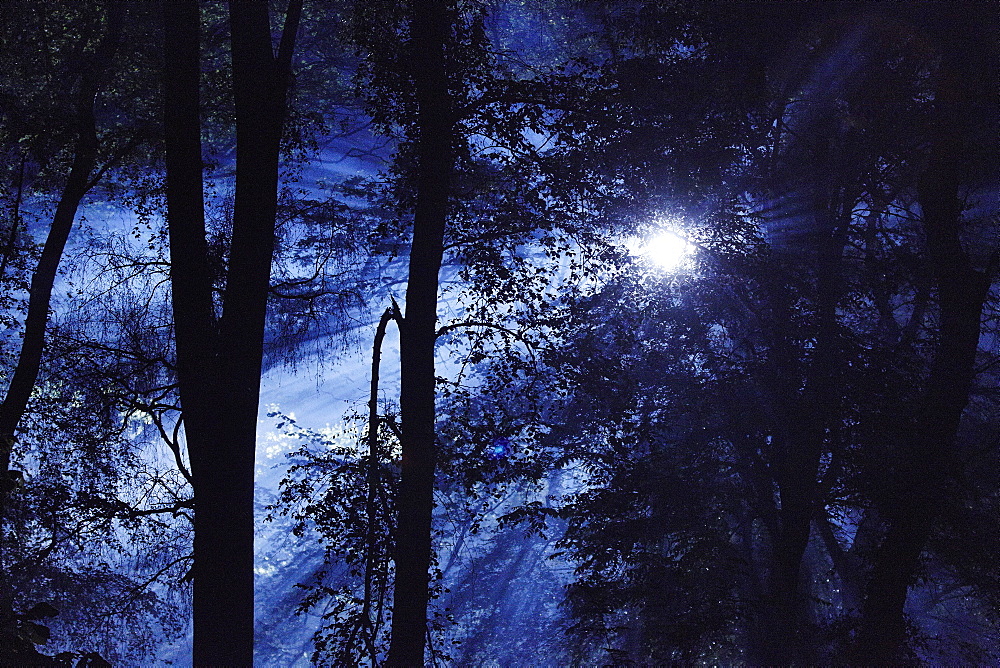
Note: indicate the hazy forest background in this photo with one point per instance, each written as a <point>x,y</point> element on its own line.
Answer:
<point>499,332</point>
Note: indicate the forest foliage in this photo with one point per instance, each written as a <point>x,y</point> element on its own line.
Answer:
<point>779,450</point>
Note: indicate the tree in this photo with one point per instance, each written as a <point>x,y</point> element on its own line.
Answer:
<point>838,169</point>
<point>430,28</point>
<point>79,181</point>
<point>219,359</point>
<point>62,69</point>
<point>926,460</point>
<point>444,87</point>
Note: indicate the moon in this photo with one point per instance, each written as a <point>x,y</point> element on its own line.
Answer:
<point>667,250</point>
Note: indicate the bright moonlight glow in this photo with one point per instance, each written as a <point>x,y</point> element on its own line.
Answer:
<point>667,250</point>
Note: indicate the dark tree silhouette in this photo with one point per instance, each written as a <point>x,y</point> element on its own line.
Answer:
<point>219,361</point>
<point>430,29</point>
<point>926,460</point>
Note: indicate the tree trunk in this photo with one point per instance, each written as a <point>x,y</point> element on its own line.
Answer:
<point>42,280</point>
<point>430,29</point>
<point>374,463</point>
<point>221,428</point>
<point>811,425</point>
<point>925,466</point>
<point>78,183</point>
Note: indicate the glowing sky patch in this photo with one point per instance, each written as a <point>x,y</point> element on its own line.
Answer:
<point>667,250</point>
